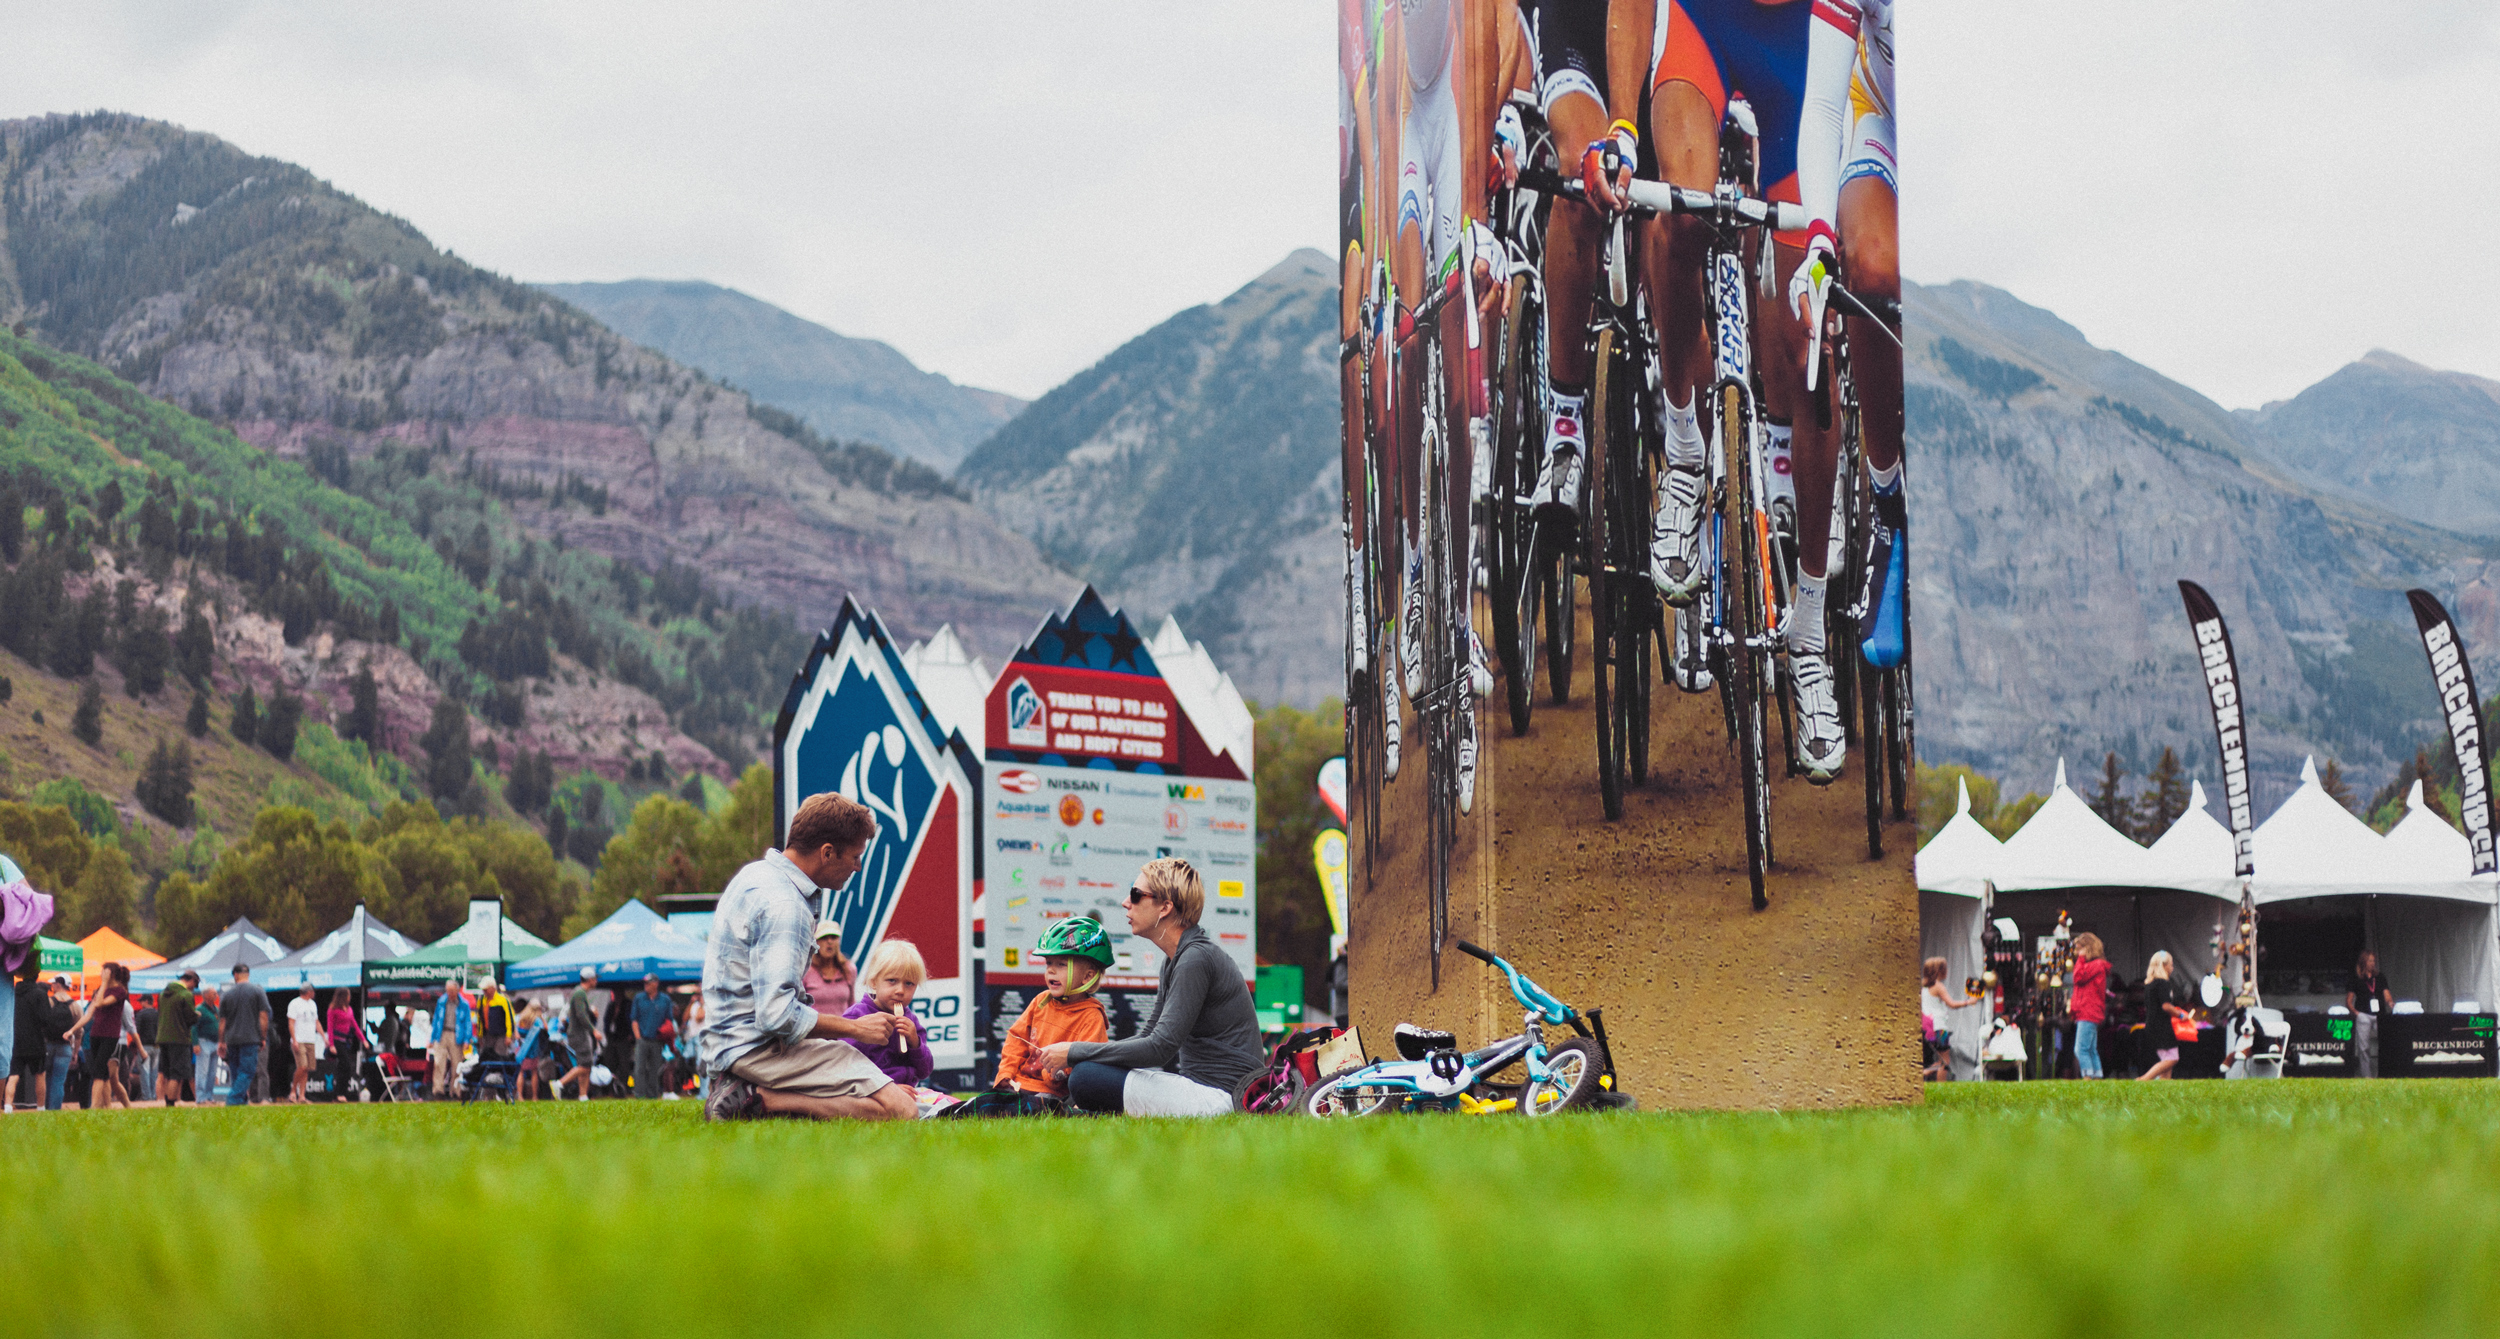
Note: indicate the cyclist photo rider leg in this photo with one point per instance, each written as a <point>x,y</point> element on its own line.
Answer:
<point>1440,197</point>
<point>1661,54</point>
<point>1859,201</point>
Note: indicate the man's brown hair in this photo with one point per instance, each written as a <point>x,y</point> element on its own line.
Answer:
<point>830,819</point>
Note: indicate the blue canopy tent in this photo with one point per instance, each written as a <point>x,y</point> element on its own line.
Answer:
<point>632,943</point>
<point>339,957</point>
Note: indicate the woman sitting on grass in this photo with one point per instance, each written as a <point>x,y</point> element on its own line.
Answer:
<point>1203,1022</point>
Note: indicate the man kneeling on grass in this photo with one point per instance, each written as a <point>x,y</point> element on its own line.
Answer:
<point>767,1050</point>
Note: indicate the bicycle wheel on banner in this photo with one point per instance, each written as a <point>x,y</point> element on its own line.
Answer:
<point>1518,424</point>
<point>1558,587</point>
<point>1607,438</point>
<point>1637,604</point>
<point>1751,680</point>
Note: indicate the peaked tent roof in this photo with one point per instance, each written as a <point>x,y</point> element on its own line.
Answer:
<point>2315,847</point>
<point>339,957</point>
<point>2432,858</point>
<point>2197,854</point>
<point>2066,845</point>
<point>954,683</point>
<point>1206,692</point>
<point>632,942</point>
<point>1962,856</point>
<point>241,942</point>
<point>108,945</point>
<point>449,956</point>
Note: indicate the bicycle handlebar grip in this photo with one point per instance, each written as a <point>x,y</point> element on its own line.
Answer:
<point>1474,952</point>
<point>1792,218</point>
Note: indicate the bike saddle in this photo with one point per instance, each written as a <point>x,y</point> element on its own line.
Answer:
<point>1415,1043</point>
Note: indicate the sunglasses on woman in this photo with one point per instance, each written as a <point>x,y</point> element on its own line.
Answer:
<point>1137,895</point>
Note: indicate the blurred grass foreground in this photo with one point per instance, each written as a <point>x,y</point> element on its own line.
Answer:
<point>2296,1207</point>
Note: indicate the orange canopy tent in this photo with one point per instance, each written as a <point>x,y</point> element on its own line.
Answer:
<point>108,945</point>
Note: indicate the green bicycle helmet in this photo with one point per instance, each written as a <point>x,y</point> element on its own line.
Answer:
<point>1076,937</point>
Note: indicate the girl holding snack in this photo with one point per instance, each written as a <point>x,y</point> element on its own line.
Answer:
<point>887,980</point>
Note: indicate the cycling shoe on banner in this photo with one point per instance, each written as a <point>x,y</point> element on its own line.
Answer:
<point>1390,731</point>
<point>1882,636</point>
<point>1479,665</point>
<point>1821,745</point>
<point>1675,537</point>
<point>1558,480</point>
<point>1692,663</point>
<point>1466,757</point>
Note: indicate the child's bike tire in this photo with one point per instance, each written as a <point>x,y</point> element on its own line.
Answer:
<point>1574,1067</point>
<point>1324,1100</point>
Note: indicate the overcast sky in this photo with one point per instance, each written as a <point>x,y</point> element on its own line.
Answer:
<point>1007,192</point>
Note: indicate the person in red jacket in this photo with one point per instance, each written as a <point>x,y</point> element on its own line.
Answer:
<point>2091,1002</point>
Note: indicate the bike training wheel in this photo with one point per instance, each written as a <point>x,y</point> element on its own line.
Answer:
<point>1607,439</point>
<point>1750,678</point>
<point>1328,1097</point>
<point>1572,1071</point>
<point>1511,530</point>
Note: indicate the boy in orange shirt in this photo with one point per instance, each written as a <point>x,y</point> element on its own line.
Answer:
<point>1074,953</point>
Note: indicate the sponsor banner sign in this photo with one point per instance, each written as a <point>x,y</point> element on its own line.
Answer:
<point>1332,786</point>
<point>2221,673</point>
<point>855,722</point>
<point>1072,846</point>
<point>1095,768</point>
<point>2461,706</point>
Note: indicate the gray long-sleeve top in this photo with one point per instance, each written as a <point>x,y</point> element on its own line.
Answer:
<point>1203,1017</point>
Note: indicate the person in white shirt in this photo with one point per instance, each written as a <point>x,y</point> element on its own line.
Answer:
<point>303,1028</point>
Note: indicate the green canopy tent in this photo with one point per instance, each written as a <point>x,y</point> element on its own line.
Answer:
<point>450,956</point>
<point>60,955</point>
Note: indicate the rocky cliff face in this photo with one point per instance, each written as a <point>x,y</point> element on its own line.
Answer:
<point>2059,493</point>
<point>849,389</point>
<point>247,290</point>
<point>2420,442</point>
<point>1194,471</point>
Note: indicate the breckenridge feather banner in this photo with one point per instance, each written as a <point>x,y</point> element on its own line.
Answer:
<point>2222,692</point>
<point>2462,706</point>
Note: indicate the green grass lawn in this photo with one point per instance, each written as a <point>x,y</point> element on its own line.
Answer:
<point>2298,1207</point>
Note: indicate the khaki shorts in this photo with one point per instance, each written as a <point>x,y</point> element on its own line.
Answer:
<point>814,1067</point>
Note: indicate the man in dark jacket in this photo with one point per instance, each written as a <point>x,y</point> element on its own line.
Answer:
<point>176,1010</point>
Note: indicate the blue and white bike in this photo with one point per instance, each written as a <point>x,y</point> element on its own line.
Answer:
<point>1432,1074</point>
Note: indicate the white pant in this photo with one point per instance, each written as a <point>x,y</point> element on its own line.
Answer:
<point>1160,1092</point>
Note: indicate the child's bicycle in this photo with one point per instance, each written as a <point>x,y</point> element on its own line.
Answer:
<point>1433,1075</point>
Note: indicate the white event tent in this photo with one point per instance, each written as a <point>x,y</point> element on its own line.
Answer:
<point>2430,919</point>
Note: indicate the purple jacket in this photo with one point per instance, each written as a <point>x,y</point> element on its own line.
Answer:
<point>905,1069</point>
<point>23,914</point>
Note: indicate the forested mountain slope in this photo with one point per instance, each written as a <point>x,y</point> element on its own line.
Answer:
<point>249,291</point>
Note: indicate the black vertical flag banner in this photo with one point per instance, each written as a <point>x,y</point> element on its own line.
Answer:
<point>2463,707</point>
<point>2222,692</point>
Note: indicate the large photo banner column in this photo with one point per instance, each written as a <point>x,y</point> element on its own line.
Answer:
<point>1632,712</point>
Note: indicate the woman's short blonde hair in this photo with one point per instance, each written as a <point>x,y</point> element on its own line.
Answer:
<point>2160,966</point>
<point>1175,881</point>
<point>894,957</point>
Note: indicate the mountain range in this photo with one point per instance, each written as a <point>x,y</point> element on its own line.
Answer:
<point>2059,492</point>
<point>845,388</point>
